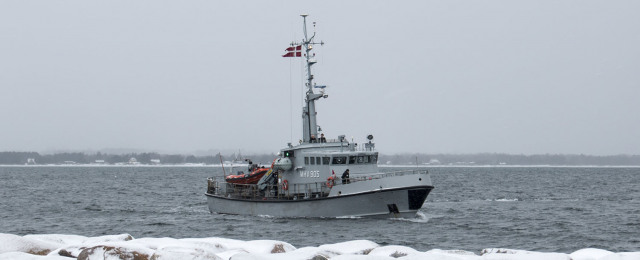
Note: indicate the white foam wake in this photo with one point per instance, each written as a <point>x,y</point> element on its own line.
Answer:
<point>124,246</point>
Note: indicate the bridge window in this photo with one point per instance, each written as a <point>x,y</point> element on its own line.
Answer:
<point>339,160</point>
<point>373,159</point>
<point>306,160</point>
<point>352,159</point>
<point>326,160</point>
<point>362,159</point>
<point>313,160</point>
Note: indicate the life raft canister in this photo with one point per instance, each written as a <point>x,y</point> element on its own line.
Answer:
<point>331,181</point>
<point>285,185</point>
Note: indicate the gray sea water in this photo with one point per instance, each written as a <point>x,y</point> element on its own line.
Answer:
<point>556,209</point>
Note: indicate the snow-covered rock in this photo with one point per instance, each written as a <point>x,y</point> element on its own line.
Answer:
<point>115,253</point>
<point>13,243</point>
<point>27,256</point>
<point>438,254</point>
<point>513,254</point>
<point>355,247</point>
<point>589,254</point>
<point>393,251</point>
<point>621,256</point>
<point>124,246</point>
<point>302,253</point>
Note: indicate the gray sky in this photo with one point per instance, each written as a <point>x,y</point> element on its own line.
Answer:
<point>421,76</point>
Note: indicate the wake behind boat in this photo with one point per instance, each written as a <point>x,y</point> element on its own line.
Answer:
<point>321,177</point>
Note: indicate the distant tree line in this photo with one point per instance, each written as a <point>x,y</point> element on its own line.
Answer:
<point>21,158</point>
<point>510,159</point>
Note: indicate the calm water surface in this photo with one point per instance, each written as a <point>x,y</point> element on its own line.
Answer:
<point>532,208</point>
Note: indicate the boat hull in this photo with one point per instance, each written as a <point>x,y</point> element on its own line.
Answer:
<point>383,203</point>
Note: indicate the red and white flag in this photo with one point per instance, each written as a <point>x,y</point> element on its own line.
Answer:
<point>293,51</point>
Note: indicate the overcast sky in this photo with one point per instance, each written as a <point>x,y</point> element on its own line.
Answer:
<point>421,76</point>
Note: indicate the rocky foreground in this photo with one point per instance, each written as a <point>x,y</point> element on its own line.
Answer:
<point>124,246</point>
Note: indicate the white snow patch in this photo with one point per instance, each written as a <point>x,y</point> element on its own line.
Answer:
<point>362,257</point>
<point>302,253</point>
<point>589,254</point>
<point>355,247</point>
<point>226,255</point>
<point>622,256</point>
<point>513,254</point>
<point>393,251</point>
<point>185,253</point>
<point>27,256</point>
<point>59,239</point>
<point>13,243</point>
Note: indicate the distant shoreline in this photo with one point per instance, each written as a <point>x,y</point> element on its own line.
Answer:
<point>398,160</point>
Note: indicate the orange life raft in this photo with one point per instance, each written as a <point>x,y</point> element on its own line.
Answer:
<point>247,178</point>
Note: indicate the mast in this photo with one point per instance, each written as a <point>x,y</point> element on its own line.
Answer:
<point>309,125</point>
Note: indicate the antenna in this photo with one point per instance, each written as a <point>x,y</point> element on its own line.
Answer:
<point>309,126</point>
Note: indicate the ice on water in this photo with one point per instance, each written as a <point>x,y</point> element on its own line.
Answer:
<point>124,246</point>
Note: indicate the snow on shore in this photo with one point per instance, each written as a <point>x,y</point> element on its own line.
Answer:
<point>124,246</point>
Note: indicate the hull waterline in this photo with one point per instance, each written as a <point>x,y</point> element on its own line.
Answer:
<point>394,203</point>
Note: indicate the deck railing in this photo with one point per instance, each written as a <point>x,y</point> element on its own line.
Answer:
<point>382,175</point>
<point>314,190</point>
<point>252,191</point>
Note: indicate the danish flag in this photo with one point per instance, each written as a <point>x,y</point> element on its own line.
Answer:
<point>293,51</point>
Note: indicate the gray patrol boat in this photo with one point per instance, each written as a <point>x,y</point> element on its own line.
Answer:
<point>309,180</point>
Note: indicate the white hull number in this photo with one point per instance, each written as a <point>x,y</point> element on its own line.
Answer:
<point>310,174</point>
